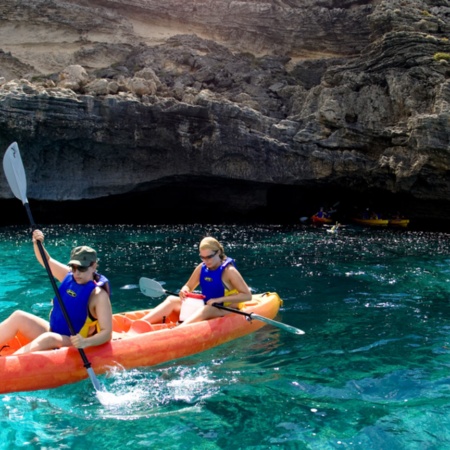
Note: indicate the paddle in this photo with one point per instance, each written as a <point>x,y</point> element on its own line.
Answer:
<point>152,288</point>
<point>15,174</point>
<point>332,210</point>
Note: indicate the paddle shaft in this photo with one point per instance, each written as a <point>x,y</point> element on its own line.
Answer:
<point>225,308</point>
<point>15,174</point>
<point>251,316</point>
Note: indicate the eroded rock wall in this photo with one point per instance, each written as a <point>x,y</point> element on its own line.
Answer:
<point>108,97</point>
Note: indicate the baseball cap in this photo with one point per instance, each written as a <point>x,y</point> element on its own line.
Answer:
<point>83,256</point>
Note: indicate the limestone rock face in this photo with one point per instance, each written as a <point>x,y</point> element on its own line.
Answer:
<point>120,97</point>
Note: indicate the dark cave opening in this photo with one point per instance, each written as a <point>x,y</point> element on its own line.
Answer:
<point>208,201</point>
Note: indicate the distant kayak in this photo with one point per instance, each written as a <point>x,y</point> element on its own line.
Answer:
<point>372,222</point>
<point>316,219</point>
<point>399,223</point>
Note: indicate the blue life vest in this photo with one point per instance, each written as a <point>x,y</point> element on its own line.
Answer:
<point>76,299</point>
<point>211,280</point>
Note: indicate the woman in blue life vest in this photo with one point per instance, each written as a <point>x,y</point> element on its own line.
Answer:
<point>85,294</point>
<point>219,280</point>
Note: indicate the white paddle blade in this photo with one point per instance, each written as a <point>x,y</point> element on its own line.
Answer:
<point>15,173</point>
<point>281,325</point>
<point>151,288</point>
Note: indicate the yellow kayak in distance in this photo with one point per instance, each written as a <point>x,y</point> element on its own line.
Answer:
<point>372,222</point>
<point>402,223</point>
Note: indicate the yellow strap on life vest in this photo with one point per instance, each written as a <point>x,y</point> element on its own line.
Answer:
<point>89,328</point>
<point>235,305</point>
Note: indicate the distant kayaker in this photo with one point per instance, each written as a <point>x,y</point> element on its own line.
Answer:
<point>335,228</point>
<point>322,214</point>
<point>85,294</point>
<point>220,283</point>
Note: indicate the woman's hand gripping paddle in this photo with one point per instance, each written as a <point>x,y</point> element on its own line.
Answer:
<point>152,288</point>
<point>15,174</point>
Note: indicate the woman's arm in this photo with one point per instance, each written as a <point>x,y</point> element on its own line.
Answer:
<point>192,283</point>
<point>59,270</point>
<point>100,307</point>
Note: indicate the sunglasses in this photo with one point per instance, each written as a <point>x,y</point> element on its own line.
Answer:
<point>80,269</point>
<point>205,258</point>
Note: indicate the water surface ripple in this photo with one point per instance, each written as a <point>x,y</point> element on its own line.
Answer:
<point>371,372</point>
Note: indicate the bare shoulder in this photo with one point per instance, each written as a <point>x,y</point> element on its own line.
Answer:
<point>231,268</point>
<point>231,272</point>
<point>99,295</point>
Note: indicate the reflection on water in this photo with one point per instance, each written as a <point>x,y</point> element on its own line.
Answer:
<point>371,372</point>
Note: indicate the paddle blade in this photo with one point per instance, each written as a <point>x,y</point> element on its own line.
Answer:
<point>94,379</point>
<point>15,173</point>
<point>151,288</point>
<point>274,323</point>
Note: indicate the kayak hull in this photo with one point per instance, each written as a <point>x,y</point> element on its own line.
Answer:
<point>133,345</point>
<point>401,223</point>
<point>318,220</point>
<point>372,222</point>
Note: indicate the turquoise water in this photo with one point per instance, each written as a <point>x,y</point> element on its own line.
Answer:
<point>371,372</point>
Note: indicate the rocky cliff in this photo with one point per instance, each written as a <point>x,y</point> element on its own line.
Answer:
<point>217,108</point>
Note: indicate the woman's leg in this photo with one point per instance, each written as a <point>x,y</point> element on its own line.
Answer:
<point>164,309</point>
<point>29,325</point>
<point>46,341</point>
<point>205,313</point>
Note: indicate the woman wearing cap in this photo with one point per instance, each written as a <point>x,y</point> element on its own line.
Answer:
<point>219,280</point>
<point>85,294</point>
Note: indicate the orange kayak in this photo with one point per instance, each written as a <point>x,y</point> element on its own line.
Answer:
<point>135,344</point>
<point>316,219</point>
